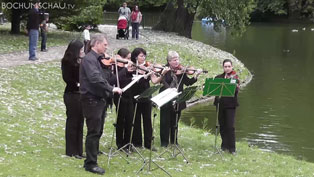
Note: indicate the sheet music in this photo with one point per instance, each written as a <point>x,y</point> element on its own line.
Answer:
<point>165,96</point>
<point>135,79</point>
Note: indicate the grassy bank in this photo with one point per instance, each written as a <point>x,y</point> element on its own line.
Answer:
<point>19,42</point>
<point>32,121</point>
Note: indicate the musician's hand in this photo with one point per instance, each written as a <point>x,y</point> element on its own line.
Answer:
<point>117,90</point>
<point>130,67</point>
<point>198,72</point>
<point>165,70</point>
<point>148,74</point>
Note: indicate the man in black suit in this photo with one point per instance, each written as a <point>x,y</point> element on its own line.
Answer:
<point>94,89</point>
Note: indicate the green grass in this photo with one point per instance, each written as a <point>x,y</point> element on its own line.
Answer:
<point>32,121</point>
<point>19,42</point>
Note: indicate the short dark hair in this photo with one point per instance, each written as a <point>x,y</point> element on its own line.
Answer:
<point>225,61</point>
<point>123,52</point>
<point>136,52</point>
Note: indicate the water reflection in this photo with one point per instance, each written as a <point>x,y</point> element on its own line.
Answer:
<point>275,110</point>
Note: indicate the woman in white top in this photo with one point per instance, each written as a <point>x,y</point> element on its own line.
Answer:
<point>136,18</point>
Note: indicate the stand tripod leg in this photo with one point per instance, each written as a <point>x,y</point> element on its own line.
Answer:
<point>130,144</point>
<point>150,155</point>
<point>113,132</point>
<point>216,132</point>
<point>111,153</point>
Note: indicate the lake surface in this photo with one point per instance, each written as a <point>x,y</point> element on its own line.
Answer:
<point>276,107</point>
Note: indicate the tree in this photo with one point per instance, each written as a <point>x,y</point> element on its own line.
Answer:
<point>84,12</point>
<point>179,15</point>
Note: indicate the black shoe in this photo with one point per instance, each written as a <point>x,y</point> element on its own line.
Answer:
<point>44,50</point>
<point>153,149</point>
<point>33,59</point>
<point>79,156</point>
<point>96,170</point>
<point>100,153</point>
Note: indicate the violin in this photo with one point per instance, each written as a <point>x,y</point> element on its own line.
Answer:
<point>149,67</point>
<point>188,70</point>
<point>109,61</point>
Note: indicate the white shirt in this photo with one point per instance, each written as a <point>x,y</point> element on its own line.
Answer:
<point>86,35</point>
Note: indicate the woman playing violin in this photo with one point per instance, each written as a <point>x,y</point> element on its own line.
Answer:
<point>227,109</point>
<point>176,78</point>
<point>126,108</point>
<point>144,106</point>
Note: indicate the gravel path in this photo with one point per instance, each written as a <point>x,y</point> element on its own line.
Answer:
<point>146,36</point>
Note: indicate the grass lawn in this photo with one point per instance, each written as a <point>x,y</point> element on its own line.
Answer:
<point>19,42</point>
<point>32,121</point>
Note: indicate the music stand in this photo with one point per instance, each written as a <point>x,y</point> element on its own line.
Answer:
<point>219,87</point>
<point>184,96</point>
<point>158,101</point>
<point>146,94</point>
<point>118,151</point>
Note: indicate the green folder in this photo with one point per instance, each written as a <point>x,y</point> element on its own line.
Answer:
<point>219,87</point>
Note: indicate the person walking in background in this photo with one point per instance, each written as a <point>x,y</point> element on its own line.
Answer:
<point>227,109</point>
<point>125,11</point>
<point>32,30</point>
<point>70,65</point>
<point>136,19</point>
<point>43,33</point>
<point>86,36</point>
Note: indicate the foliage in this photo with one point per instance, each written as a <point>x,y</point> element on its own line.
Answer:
<point>85,12</point>
<point>233,13</point>
<point>275,6</point>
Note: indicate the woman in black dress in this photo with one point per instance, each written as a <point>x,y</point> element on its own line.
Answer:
<point>173,79</point>
<point>227,109</point>
<point>144,105</point>
<point>70,65</point>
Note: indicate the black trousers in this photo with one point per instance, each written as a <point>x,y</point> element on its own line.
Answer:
<point>74,124</point>
<point>93,110</point>
<point>135,30</point>
<point>43,41</point>
<point>168,124</point>
<point>124,120</point>
<point>227,131</point>
<point>144,109</point>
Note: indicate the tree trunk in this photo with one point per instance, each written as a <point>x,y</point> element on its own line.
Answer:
<point>293,9</point>
<point>15,21</point>
<point>177,20</point>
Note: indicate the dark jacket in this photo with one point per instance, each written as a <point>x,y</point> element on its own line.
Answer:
<point>70,75</point>
<point>166,81</point>
<point>93,80</point>
<point>227,102</point>
<point>140,87</point>
<point>33,19</point>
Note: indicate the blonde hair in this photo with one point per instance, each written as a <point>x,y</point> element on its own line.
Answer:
<point>172,54</point>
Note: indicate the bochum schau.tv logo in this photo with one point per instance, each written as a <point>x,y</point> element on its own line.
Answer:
<point>42,5</point>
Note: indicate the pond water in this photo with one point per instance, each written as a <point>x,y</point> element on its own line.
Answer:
<point>276,107</point>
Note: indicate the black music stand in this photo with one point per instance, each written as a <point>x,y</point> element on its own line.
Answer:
<point>184,96</point>
<point>219,87</point>
<point>146,94</point>
<point>119,151</point>
<point>158,101</point>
